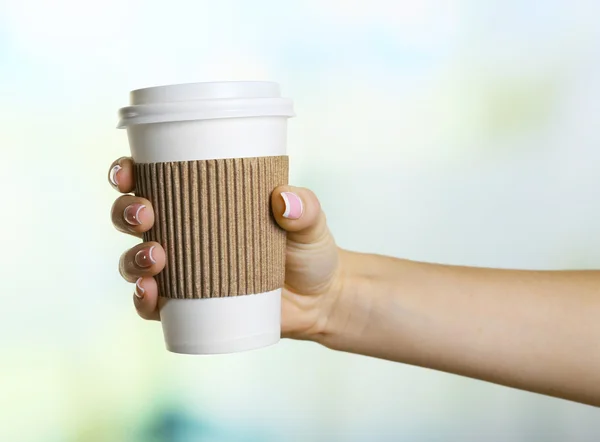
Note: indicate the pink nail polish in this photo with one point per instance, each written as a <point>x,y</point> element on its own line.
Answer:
<point>132,214</point>
<point>144,258</point>
<point>114,175</point>
<point>293,205</point>
<point>139,290</point>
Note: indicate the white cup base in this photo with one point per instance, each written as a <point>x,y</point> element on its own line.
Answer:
<point>221,325</point>
<point>232,346</point>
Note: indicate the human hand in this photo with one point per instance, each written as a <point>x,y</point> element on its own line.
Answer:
<point>313,278</point>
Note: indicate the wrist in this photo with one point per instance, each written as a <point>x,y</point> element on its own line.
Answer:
<point>380,309</point>
<point>350,312</point>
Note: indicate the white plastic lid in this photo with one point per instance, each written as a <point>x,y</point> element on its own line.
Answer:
<point>202,101</point>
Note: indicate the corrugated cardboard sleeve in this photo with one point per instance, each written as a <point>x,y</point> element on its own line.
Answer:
<point>214,220</point>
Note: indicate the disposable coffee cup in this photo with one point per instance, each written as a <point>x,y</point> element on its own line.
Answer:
<point>208,156</point>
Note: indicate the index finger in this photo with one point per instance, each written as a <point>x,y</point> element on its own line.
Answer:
<point>121,175</point>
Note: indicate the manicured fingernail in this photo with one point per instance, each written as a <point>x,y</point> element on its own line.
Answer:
<point>114,175</point>
<point>132,214</point>
<point>139,290</point>
<point>144,258</point>
<point>293,205</point>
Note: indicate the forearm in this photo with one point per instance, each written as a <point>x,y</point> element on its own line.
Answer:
<point>537,331</point>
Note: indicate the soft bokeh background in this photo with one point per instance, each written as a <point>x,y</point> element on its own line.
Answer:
<point>453,131</point>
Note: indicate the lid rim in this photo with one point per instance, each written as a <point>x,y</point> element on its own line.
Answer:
<point>204,110</point>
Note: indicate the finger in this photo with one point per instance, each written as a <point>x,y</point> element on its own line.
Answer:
<point>132,214</point>
<point>298,211</point>
<point>121,175</point>
<point>145,259</point>
<point>145,298</point>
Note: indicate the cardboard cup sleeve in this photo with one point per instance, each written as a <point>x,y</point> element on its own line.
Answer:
<point>214,220</point>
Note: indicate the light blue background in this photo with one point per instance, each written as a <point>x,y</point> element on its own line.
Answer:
<point>462,132</point>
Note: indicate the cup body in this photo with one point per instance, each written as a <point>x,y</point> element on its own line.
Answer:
<point>186,131</point>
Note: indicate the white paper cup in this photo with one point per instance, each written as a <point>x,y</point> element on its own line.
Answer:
<point>203,121</point>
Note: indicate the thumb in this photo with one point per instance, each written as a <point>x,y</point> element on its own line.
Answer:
<point>298,211</point>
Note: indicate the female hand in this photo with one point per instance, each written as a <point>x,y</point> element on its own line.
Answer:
<point>313,278</point>
<point>531,330</point>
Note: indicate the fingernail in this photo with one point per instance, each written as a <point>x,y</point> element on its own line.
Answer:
<point>114,175</point>
<point>139,290</point>
<point>293,205</point>
<point>144,258</point>
<point>132,214</point>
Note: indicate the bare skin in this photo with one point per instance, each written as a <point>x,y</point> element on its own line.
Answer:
<point>533,330</point>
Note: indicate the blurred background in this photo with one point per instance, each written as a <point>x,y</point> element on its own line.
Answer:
<point>455,131</point>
